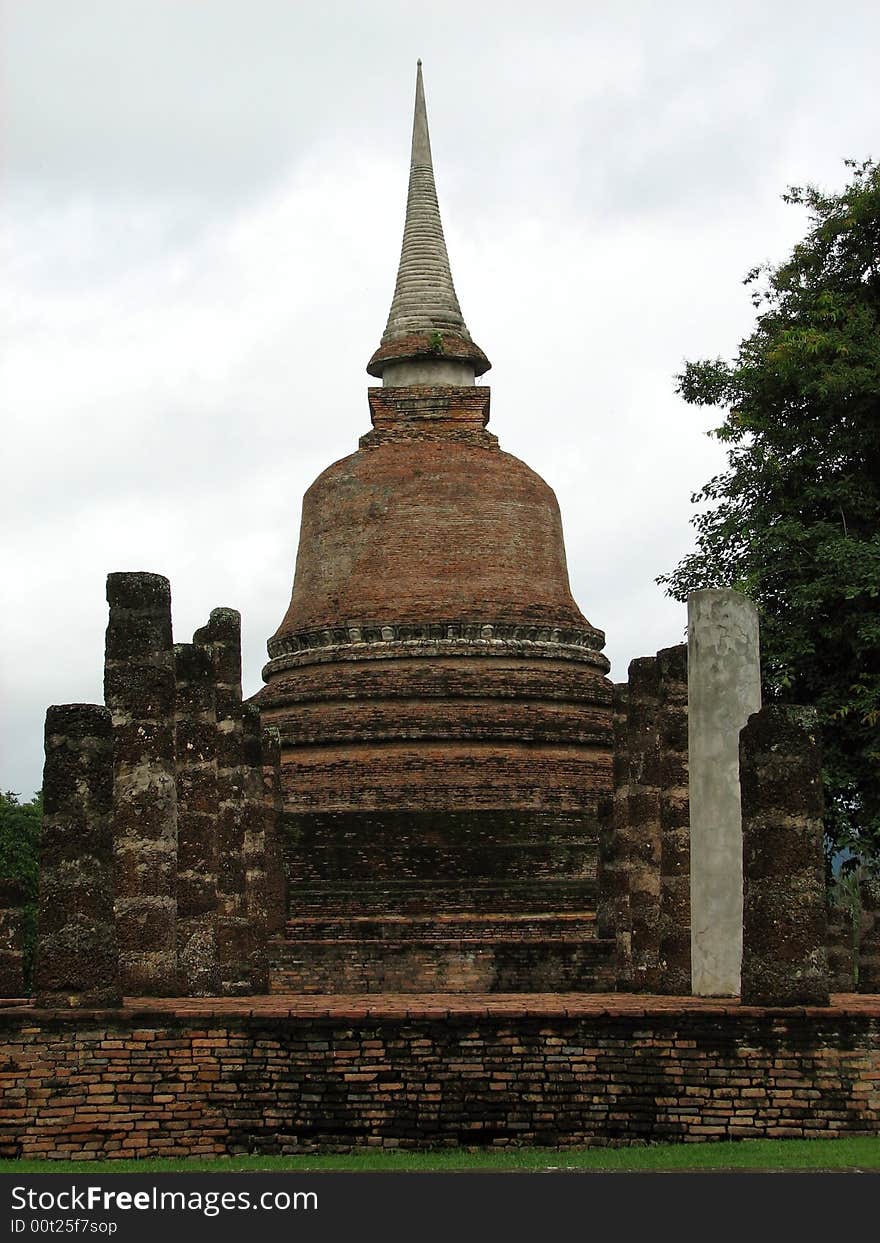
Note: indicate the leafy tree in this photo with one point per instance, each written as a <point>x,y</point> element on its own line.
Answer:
<point>794,520</point>
<point>19,856</point>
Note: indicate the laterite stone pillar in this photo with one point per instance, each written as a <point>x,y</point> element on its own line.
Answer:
<point>784,959</point>
<point>223,634</point>
<point>139,692</point>
<point>675,894</point>
<point>643,744</point>
<point>621,849</point>
<point>77,962</point>
<point>196,747</point>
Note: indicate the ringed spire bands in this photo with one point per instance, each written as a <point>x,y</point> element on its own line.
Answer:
<point>426,340</point>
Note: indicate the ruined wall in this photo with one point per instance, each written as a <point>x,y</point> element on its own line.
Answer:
<point>206,1081</point>
<point>161,815</point>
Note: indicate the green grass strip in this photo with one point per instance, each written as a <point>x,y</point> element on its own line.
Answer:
<point>861,1153</point>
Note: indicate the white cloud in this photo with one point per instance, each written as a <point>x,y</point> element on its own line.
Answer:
<point>202,220</point>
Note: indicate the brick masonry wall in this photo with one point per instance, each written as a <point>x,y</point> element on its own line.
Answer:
<point>475,730</point>
<point>481,963</point>
<point>199,1080</point>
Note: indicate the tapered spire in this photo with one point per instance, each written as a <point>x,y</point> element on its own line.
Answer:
<point>426,340</point>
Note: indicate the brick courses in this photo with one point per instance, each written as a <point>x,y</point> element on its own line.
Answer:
<point>433,667</point>
<point>269,1075</point>
<point>426,530</point>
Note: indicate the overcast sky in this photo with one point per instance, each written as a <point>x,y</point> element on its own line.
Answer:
<point>202,206</point>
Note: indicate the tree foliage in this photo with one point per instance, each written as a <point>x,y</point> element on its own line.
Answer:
<point>794,520</point>
<point>19,856</point>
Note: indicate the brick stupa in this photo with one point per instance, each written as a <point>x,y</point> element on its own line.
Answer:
<point>442,701</point>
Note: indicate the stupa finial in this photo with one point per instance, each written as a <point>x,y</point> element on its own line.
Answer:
<point>426,340</point>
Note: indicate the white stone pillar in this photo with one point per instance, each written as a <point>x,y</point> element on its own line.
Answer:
<point>724,689</point>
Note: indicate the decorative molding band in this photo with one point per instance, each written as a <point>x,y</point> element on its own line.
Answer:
<point>376,642</point>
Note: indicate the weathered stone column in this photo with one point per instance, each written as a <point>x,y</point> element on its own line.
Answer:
<point>255,847</point>
<point>675,833</point>
<point>139,691</point>
<point>869,935</point>
<point>273,794</point>
<point>724,689</point>
<point>784,915</point>
<point>196,748</point>
<point>643,743</point>
<point>12,903</point>
<point>618,867</point>
<point>77,962</point>
<point>840,946</point>
<point>223,633</point>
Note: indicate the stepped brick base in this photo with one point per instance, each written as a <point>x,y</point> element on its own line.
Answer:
<point>478,901</point>
<point>462,953</point>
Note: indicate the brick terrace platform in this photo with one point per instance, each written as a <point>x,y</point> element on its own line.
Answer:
<point>352,1006</point>
<point>178,1077</point>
